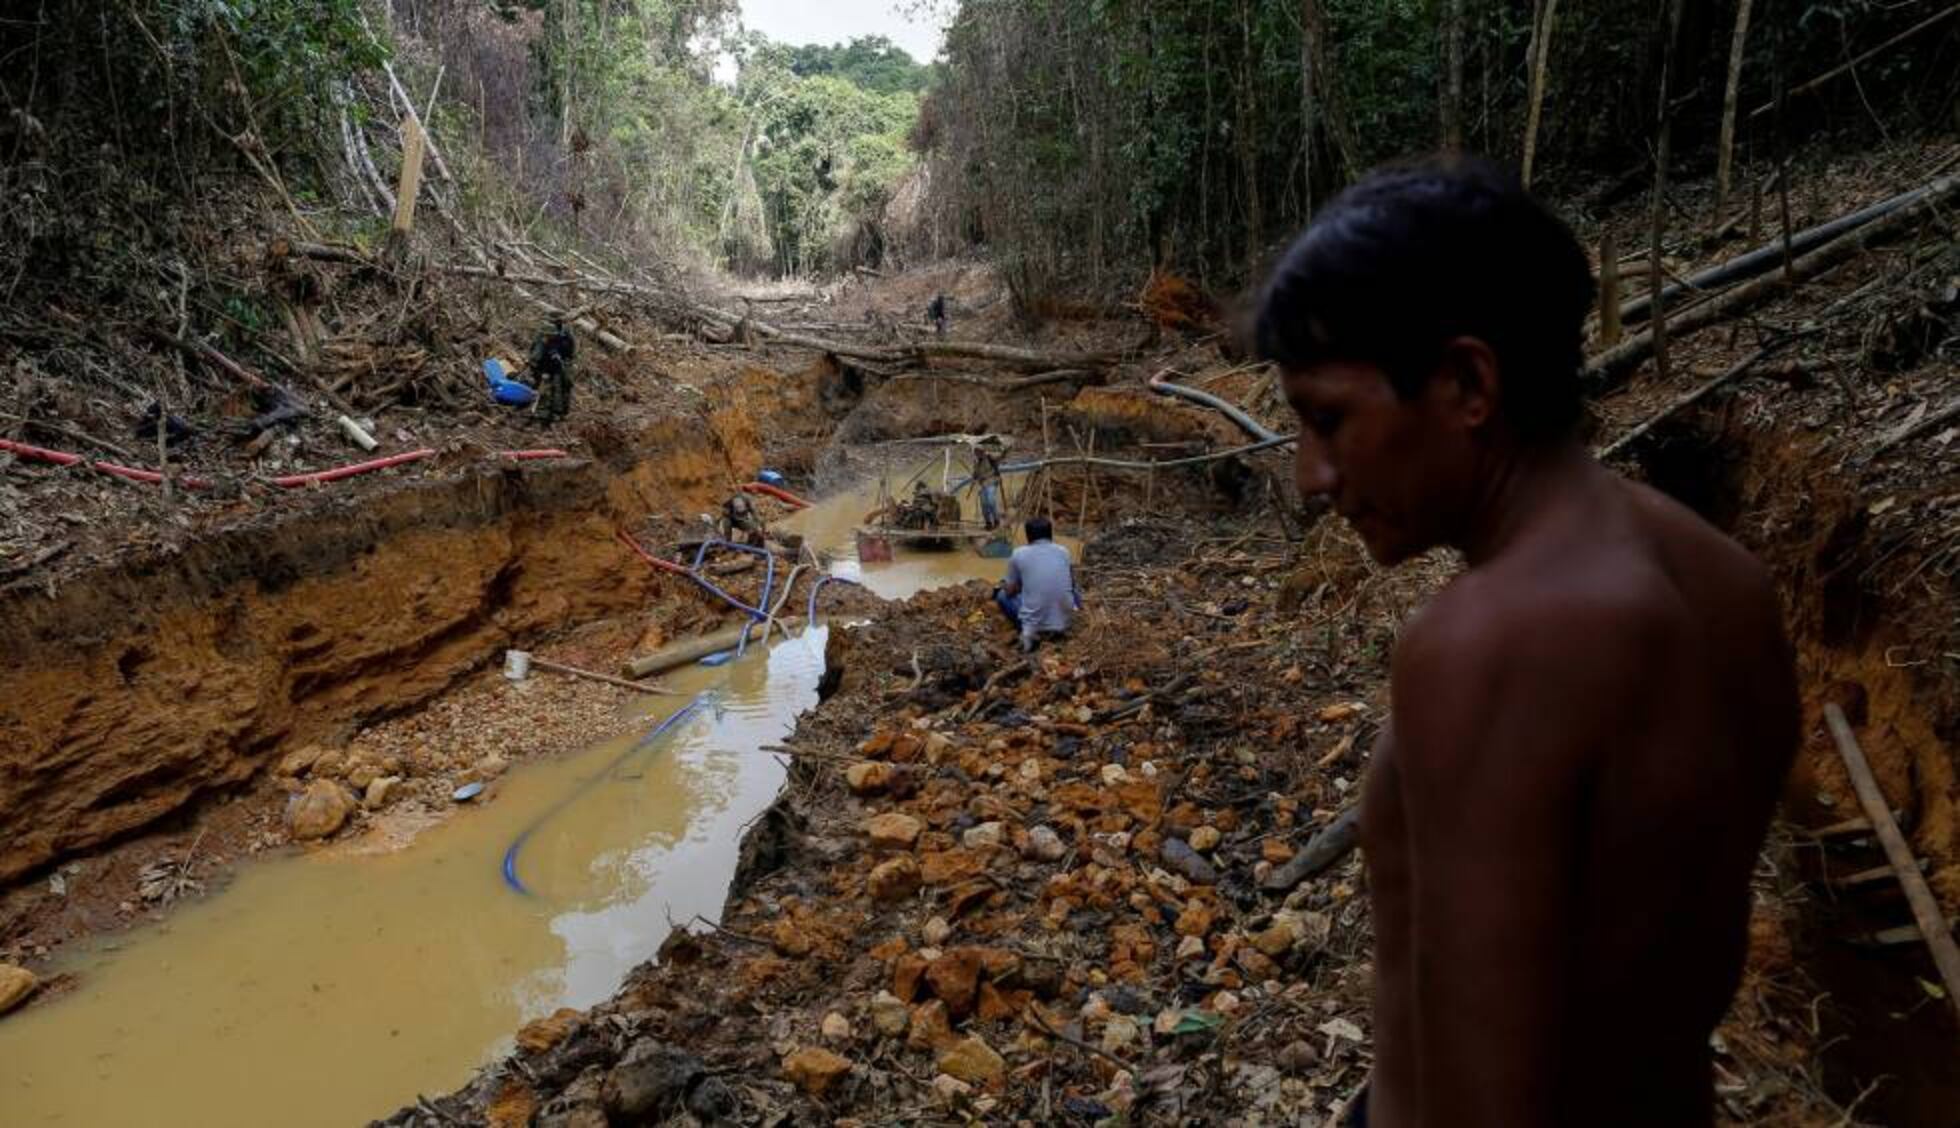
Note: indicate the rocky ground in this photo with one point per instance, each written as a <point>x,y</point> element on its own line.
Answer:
<point>1056,889</point>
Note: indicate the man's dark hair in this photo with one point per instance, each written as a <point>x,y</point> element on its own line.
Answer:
<point>1418,253</point>
<point>1039,529</point>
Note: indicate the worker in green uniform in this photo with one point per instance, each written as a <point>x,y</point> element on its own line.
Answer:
<point>551,371</point>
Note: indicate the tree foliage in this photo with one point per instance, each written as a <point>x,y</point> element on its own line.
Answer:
<point>1084,140</point>
<point>869,62</point>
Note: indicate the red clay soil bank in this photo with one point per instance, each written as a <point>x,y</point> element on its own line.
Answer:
<point>140,685</point>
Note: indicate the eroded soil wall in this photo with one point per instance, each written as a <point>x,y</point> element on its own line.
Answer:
<point>137,687</point>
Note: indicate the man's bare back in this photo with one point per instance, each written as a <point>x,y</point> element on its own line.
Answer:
<point>1589,732</point>
<point>1590,726</point>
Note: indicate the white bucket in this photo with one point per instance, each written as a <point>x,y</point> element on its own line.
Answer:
<point>517,664</point>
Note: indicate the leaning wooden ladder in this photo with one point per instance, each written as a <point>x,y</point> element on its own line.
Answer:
<point>1925,910</point>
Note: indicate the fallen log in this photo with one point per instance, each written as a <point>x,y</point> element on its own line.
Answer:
<point>1851,64</point>
<point>1770,255</point>
<point>1914,429</point>
<point>1925,910</point>
<point>1697,395</point>
<point>687,650</point>
<point>1610,368</point>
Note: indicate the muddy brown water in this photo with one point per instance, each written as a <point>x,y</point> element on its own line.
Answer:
<point>331,987</point>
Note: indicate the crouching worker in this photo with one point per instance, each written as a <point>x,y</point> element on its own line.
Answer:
<point>1039,594</point>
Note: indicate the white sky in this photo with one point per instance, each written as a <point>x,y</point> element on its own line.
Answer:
<point>797,22</point>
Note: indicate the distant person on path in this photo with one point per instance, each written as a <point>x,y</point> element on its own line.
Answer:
<point>551,371</point>
<point>936,314</point>
<point>1039,595</point>
<point>1590,725</point>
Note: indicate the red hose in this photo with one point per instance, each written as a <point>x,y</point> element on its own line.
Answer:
<point>776,492</point>
<point>663,565</point>
<point>335,474</point>
<point>339,472</point>
<point>59,458</point>
<point>151,476</point>
<point>63,458</point>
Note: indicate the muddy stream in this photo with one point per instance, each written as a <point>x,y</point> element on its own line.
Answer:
<point>331,987</point>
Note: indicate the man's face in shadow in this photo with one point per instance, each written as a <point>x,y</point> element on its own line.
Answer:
<point>1400,469</point>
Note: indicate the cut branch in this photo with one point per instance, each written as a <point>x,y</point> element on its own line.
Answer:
<point>1611,368</point>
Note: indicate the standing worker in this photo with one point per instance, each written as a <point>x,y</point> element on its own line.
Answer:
<point>1039,594</point>
<point>986,473</point>
<point>936,313</point>
<point>551,371</point>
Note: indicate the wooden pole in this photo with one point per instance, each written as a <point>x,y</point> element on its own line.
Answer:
<point>1925,910</point>
<point>574,671</point>
<point>411,180</point>
<point>1609,290</point>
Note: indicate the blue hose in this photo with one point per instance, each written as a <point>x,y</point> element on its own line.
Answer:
<point>818,586</point>
<point>510,855</point>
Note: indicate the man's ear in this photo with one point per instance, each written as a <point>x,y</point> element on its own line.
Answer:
<point>1471,367</point>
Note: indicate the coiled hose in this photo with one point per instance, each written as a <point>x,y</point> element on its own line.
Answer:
<point>511,878</point>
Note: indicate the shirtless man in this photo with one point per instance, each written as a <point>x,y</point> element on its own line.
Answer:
<point>1590,725</point>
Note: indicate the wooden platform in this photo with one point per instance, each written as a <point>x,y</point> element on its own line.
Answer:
<point>876,542</point>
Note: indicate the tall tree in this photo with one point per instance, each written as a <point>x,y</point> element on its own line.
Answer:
<point>1663,129</point>
<point>1453,74</point>
<point>1541,50</point>
<point>1725,150</point>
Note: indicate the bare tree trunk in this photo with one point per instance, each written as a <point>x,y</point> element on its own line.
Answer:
<point>1725,151</point>
<point>1315,32</point>
<point>1255,219</point>
<point>1453,75</point>
<point>1656,275</point>
<point>1541,51</point>
<point>1306,119</point>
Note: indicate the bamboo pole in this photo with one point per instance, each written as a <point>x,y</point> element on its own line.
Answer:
<point>608,679</point>
<point>1925,910</point>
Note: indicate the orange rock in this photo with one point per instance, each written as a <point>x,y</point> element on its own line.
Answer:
<point>996,1004</point>
<point>1334,714</point>
<point>955,979</point>
<point>973,1061</point>
<point>892,830</point>
<point>1256,965</point>
<point>513,1107</point>
<point>905,749</point>
<point>814,1070</point>
<point>910,969</point>
<point>1195,920</point>
<point>948,866</point>
<point>869,778</point>
<point>890,949</point>
<point>1275,851</point>
<point>790,939</point>
<point>894,880</point>
<point>931,1029</point>
<point>878,745</point>
<point>540,1034</point>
